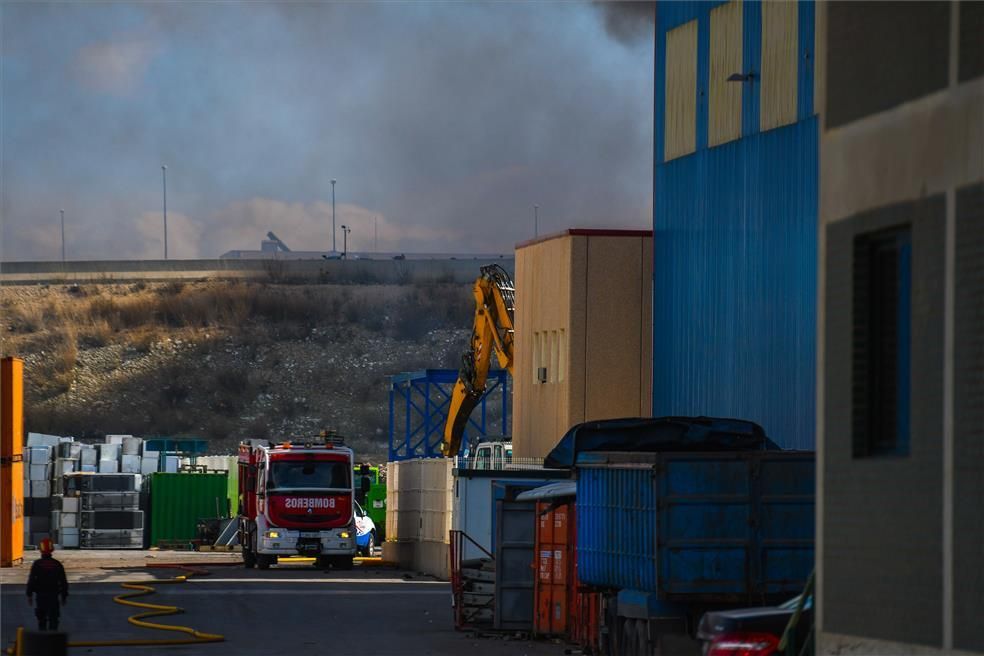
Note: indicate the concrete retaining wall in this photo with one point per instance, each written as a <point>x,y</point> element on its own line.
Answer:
<point>326,271</point>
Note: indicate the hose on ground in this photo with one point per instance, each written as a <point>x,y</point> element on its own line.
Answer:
<point>139,589</point>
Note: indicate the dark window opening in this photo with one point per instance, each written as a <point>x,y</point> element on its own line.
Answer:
<point>882,322</point>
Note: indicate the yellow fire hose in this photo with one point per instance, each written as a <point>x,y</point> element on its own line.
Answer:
<point>141,588</point>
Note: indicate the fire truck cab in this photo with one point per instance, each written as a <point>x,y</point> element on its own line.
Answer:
<point>297,499</point>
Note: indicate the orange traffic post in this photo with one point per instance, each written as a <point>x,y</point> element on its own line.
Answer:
<point>11,462</point>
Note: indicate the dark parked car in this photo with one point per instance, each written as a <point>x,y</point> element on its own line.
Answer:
<point>752,631</point>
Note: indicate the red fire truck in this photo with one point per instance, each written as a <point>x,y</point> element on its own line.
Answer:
<point>297,499</point>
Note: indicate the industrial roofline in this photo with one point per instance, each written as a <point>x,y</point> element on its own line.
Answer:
<point>586,232</point>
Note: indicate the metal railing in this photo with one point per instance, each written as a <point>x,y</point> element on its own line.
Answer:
<point>456,543</point>
<point>497,464</point>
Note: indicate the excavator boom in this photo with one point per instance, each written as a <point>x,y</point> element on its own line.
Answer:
<point>495,301</point>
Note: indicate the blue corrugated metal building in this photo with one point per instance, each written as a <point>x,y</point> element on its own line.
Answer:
<point>735,215</point>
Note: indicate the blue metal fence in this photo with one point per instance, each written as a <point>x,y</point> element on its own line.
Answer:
<point>418,410</point>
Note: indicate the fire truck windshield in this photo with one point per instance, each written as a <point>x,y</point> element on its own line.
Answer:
<point>308,475</point>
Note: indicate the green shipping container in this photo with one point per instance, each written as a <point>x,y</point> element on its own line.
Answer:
<point>178,501</point>
<point>233,489</point>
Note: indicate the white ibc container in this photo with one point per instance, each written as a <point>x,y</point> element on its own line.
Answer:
<point>40,489</point>
<point>68,538</point>
<point>40,439</point>
<point>109,467</point>
<point>64,466</point>
<point>89,455</point>
<point>69,504</point>
<point>40,472</point>
<point>148,465</point>
<point>90,469</point>
<point>130,464</point>
<point>109,451</point>
<point>68,520</point>
<point>38,455</point>
<point>131,445</point>
<point>116,439</point>
<point>171,464</point>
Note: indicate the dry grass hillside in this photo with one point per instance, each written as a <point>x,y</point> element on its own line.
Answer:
<point>226,360</point>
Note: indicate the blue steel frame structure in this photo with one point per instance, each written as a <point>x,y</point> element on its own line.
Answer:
<point>423,398</point>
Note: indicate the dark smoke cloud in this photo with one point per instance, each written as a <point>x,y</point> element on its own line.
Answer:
<point>629,22</point>
<point>443,123</point>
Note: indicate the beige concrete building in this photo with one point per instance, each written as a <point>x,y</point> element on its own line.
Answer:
<point>583,333</point>
<point>900,421</point>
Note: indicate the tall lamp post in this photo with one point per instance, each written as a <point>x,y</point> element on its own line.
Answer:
<point>345,231</point>
<point>63,234</point>
<point>164,180</point>
<point>333,249</point>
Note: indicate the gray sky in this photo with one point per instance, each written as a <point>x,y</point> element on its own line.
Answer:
<point>447,121</point>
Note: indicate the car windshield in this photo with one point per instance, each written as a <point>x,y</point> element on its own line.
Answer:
<point>310,475</point>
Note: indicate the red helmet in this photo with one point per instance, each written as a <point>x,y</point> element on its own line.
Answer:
<point>46,546</point>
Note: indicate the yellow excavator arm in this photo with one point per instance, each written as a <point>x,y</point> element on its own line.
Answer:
<point>495,300</point>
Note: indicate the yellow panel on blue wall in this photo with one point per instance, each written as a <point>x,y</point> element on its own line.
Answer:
<point>724,108</point>
<point>681,91</point>
<point>779,64</point>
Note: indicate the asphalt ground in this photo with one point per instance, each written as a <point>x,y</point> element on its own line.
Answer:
<point>290,609</point>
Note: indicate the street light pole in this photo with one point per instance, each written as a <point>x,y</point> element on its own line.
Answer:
<point>333,249</point>
<point>164,180</point>
<point>536,221</point>
<point>345,231</point>
<point>63,234</point>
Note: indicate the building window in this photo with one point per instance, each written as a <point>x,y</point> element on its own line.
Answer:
<point>882,318</point>
<point>549,356</point>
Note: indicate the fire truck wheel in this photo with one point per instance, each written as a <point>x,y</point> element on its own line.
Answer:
<point>264,561</point>
<point>249,560</point>
<point>322,562</point>
<point>343,562</point>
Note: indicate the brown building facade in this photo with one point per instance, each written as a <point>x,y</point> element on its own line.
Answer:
<point>583,333</point>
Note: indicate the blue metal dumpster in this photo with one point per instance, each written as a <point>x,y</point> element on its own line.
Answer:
<point>696,526</point>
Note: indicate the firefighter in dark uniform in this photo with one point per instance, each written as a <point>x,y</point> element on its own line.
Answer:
<point>47,582</point>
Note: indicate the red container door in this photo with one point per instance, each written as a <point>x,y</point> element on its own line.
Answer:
<point>554,574</point>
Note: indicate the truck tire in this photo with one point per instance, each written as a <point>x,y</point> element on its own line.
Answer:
<point>249,560</point>
<point>322,562</point>
<point>263,561</point>
<point>342,563</point>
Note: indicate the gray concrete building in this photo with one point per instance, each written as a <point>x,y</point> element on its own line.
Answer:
<point>900,398</point>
